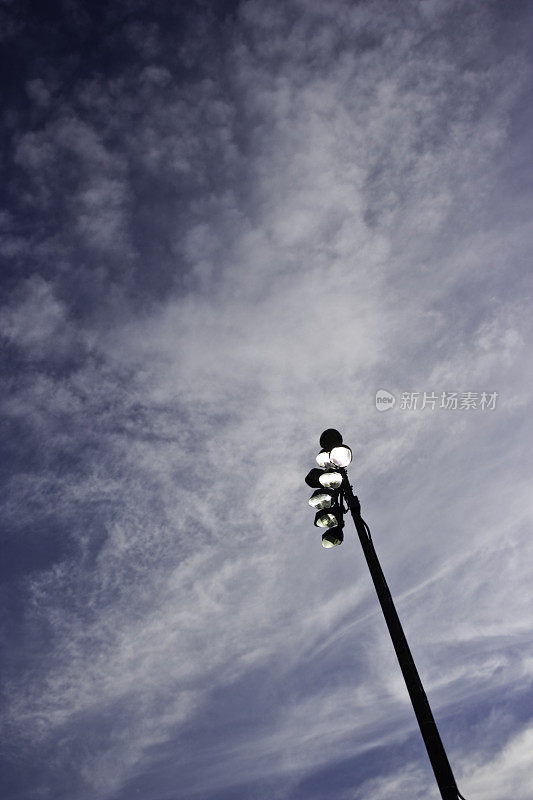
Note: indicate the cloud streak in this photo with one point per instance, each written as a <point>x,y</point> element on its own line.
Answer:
<point>219,242</point>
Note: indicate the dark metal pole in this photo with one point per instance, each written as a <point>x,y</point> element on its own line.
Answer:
<point>428,728</point>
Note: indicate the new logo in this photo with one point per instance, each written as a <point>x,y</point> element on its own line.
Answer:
<point>384,400</point>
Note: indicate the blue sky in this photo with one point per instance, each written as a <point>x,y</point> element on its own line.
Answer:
<point>223,227</point>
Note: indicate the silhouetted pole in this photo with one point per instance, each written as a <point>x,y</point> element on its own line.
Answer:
<point>428,728</point>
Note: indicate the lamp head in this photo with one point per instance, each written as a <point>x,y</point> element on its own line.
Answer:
<point>323,459</point>
<point>322,498</point>
<point>332,537</point>
<point>329,518</point>
<point>330,479</point>
<point>330,438</point>
<point>340,456</point>
<point>312,478</point>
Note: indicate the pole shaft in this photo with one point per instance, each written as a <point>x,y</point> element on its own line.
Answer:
<point>428,728</point>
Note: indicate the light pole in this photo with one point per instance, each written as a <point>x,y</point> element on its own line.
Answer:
<point>332,489</point>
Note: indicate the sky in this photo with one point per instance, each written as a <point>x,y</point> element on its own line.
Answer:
<point>224,227</point>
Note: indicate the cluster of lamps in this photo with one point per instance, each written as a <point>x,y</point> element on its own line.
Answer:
<point>332,497</point>
<point>327,481</point>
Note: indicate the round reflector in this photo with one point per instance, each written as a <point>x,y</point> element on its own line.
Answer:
<point>325,519</point>
<point>331,479</point>
<point>332,537</point>
<point>340,456</point>
<point>321,499</point>
<point>323,459</point>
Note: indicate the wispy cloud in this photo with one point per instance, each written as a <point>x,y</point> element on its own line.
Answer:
<point>222,239</point>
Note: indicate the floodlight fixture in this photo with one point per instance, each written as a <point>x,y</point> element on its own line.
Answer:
<point>332,493</point>
<point>330,438</point>
<point>327,519</point>
<point>312,478</point>
<point>321,498</point>
<point>332,537</point>
<point>330,479</point>
<point>340,456</point>
<point>323,459</point>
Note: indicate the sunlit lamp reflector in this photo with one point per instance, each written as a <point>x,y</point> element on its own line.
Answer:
<point>321,499</point>
<point>341,456</point>
<point>330,479</point>
<point>325,519</point>
<point>323,459</point>
<point>332,537</point>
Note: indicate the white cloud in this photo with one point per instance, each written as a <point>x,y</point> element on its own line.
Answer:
<point>327,232</point>
<point>36,319</point>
